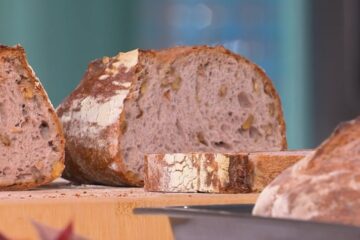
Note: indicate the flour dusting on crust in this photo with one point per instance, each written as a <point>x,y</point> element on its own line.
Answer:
<point>93,111</point>
<point>184,175</point>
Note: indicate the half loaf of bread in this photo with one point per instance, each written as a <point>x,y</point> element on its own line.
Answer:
<point>182,99</point>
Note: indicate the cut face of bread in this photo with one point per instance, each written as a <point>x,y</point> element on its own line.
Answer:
<point>324,186</point>
<point>216,172</point>
<point>31,140</point>
<point>184,99</point>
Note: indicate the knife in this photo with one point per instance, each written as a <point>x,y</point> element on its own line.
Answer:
<point>236,222</point>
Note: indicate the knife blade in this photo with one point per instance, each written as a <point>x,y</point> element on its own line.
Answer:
<point>236,222</point>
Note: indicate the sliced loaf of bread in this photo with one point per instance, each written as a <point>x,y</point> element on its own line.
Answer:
<point>31,139</point>
<point>324,186</point>
<point>216,172</point>
<point>182,99</point>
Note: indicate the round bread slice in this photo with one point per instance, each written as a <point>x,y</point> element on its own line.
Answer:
<point>324,186</point>
<point>31,139</point>
<point>183,99</point>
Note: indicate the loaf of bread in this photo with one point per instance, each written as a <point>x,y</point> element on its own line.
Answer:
<point>182,99</point>
<point>324,186</point>
<point>31,140</point>
<point>216,172</point>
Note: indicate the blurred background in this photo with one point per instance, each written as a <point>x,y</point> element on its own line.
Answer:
<point>309,48</point>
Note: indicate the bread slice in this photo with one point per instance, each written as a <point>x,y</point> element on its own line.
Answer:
<point>183,99</point>
<point>324,186</point>
<point>31,140</point>
<point>216,172</point>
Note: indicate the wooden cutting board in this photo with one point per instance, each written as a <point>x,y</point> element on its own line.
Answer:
<point>97,212</point>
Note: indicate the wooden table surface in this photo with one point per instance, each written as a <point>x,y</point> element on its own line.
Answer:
<point>97,212</point>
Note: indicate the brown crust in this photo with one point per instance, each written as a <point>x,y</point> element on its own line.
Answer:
<point>338,137</point>
<point>239,174</point>
<point>19,52</point>
<point>94,169</point>
<point>152,183</point>
<point>86,164</point>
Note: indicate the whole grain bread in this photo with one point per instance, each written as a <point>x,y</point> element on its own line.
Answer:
<point>216,172</point>
<point>324,186</point>
<point>31,139</point>
<point>182,99</point>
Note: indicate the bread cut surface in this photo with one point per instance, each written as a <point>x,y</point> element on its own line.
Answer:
<point>216,172</point>
<point>31,140</point>
<point>183,99</point>
<point>324,186</point>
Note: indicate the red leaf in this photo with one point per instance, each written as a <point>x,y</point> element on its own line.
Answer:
<point>67,233</point>
<point>2,237</point>
<point>49,233</point>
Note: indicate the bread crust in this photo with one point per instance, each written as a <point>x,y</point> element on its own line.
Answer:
<point>89,163</point>
<point>19,52</point>
<point>86,164</point>
<point>200,172</point>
